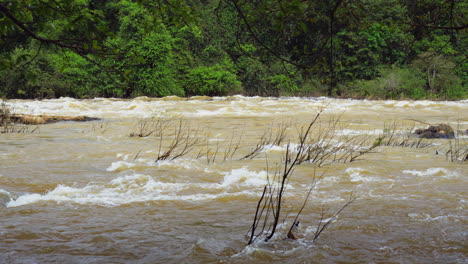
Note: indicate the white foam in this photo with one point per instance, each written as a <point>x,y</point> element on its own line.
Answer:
<point>354,132</point>
<point>430,172</point>
<point>120,166</point>
<point>24,199</point>
<point>103,139</point>
<point>182,163</point>
<point>141,188</point>
<point>274,148</point>
<point>237,106</point>
<point>122,190</point>
<point>356,175</point>
<point>122,155</point>
<point>424,217</point>
<point>245,177</point>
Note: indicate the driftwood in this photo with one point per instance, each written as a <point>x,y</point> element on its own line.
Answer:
<point>43,119</point>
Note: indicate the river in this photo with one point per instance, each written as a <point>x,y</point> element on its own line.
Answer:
<point>98,192</point>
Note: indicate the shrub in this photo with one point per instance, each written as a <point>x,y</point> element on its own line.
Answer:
<point>211,81</point>
<point>254,77</point>
<point>402,83</point>
<point>283,84</point>
<point>149,66</point>
<point>439,75</point>
<point>84,78</point>
<point>394,82</point>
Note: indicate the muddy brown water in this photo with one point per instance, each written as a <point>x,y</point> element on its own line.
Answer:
<point>89,193</point>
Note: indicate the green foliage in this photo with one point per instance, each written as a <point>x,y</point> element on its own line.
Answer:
<point>387,42</point>
<point>402,83</point>
<point>149,65</point>
<point>283,83</point>
<point>133,19</point>
<point>394,83</point>
<point>125,48</point>
<point>31,77</point>
<point>439,72</point>
<point>254,77</point>
<point>212,81</point>
<point>85,78</point>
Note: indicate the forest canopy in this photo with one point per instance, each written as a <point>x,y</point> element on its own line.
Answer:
<point>388,49</point>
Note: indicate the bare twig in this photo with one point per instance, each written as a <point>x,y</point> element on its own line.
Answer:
<point>321,228</point>
<point>275,199</point>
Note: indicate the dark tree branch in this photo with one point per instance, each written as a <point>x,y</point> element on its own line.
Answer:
<point>332,51</point>
<point>321,228</point>
<point>29,32</point>
<point>79,49</point>
<point>249,28</point>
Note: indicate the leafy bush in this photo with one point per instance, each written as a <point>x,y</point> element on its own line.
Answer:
<point>283,84</point>
<point>402,83</point>
<point>85,78</point>
<point>254,77</point>
<point>149,65</point>
<point>440,75</point>
<point>212,81</point>
<point>394,83</point>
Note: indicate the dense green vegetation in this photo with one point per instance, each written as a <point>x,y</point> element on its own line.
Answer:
<point>125,48</point>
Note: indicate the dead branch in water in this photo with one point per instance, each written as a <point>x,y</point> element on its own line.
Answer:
<point>392,138</point>
<point>264,140</point>
<point>183,141</point>
<point>98,127</point>
<point>295,223</point>
<point>269,207</point>
<point>274,201</point>
<point>458,148</point>
<point>233,146</point>
<point>211,155</point>
<point>361,149</point>
<point>458,151</point>
<point>152,125</point>
<point>327,146</point>
<point>322,225</point>
<point>268,138</point>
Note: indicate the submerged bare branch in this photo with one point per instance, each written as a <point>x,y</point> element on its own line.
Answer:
<point>392,137</point>
<point>269,138</point>
<point>151,125</point>
<point>183,141</point>
<point>322,225</point>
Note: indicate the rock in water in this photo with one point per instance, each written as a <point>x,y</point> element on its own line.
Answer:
<point>439,131</point>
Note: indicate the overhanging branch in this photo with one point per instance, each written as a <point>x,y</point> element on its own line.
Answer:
<point>78,49</point>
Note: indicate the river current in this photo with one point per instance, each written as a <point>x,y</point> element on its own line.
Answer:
<point>104,192</point>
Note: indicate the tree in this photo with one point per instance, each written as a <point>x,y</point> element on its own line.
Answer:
<point>81,26</point>
<point>157,48</point>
